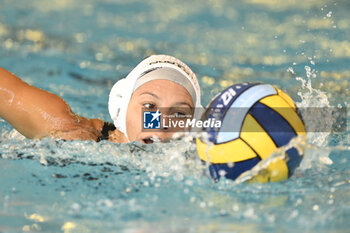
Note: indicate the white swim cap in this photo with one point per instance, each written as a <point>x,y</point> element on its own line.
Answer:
<point>152,68</point>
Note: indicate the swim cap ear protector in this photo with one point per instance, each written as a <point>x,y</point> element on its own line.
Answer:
<point>122,90</point>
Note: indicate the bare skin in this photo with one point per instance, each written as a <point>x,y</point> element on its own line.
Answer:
<point>37,113</point>
<point>165,94</point>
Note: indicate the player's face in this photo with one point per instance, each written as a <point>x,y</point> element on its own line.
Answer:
<point>166,96</point>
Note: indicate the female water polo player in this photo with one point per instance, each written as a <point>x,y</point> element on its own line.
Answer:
<point>159,81</point>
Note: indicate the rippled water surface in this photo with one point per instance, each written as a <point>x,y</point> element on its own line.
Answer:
<point>78,49</point>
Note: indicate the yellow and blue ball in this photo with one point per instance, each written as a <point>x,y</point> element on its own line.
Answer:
<point>256,119</point>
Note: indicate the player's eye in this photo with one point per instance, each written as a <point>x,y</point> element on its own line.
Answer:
<point>180,114</point>
<point>149,105</point>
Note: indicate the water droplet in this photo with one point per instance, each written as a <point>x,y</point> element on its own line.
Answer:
<point>222,212</point>
<point>290,70</point>
<point>189,182</point>
<point>222,172</point>
<point>329,14</point>
<point>249,213</point>
<point>99,56</point>
<point>271,218</point>
<point>294,214</point>
<point>326,160</point>
<point>298,202</point>
<point>108,203</point>
<point>75,207</point>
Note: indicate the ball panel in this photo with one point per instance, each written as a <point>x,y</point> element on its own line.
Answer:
<point>274,124</point>
<point>294,159</point>
<point>238,110</point>
<point>286,97</point>
<point>275,171</point>
<point>283,108</point>
<point>218,108</point>
<point>256,137</point>
<point>235,171</point>
<point>225,153</point>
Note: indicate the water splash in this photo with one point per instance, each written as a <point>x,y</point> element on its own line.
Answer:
<point>299,143</point>
<point>311,97</point>
<point>318,100</point>
<point>322,116</point>
<point>175,160</point>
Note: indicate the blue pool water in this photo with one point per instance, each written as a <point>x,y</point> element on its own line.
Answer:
<point>78,49</point>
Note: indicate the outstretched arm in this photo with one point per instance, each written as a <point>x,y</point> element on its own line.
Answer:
<point>37,113</point>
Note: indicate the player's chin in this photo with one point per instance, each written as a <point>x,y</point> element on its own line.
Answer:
<point>159,137</point>
<point>149,139</point>
<point>146,140</point>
